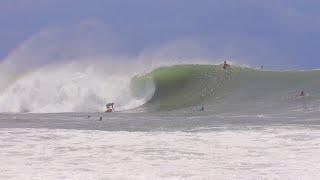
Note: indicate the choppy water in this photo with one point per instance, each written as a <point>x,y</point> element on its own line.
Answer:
<point>175,145</point>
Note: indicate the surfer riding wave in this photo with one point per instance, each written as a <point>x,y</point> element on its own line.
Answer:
<point>110,107</point>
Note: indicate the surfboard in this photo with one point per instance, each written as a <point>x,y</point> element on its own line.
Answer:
<point>109,110</point>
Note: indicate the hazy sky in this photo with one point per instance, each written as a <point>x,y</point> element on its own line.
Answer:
<point>274,33</point>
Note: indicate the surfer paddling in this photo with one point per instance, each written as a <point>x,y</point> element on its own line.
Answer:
<point>109,107</point>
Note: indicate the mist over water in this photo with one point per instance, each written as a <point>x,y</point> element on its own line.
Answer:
<point>63,70</point>
<point>71,87</point>
<point>80,68</point>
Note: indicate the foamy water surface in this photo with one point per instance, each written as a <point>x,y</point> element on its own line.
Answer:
<point>268,153</point>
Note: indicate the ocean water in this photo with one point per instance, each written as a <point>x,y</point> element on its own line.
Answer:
<point>254,124</point>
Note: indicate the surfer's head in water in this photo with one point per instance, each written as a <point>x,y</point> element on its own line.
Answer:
<point>302,93</point>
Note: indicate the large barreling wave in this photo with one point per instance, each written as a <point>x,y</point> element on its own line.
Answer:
<point>239,89</point>
<point>79,69</point>
<point>86,86</point>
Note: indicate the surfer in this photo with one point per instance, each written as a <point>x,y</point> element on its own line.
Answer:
<point>201,109</point>
<point>109,107</point>
<point>302,93</point>
<point>226,65</point>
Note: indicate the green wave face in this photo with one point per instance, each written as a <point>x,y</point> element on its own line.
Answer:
<point>236,89</point>
<point>181,86</point>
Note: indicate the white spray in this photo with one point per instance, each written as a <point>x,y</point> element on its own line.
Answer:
<point>63,70</point>
<point>78,69</point>
<point>72,87</point>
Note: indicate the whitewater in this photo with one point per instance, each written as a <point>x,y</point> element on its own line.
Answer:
<point>255,124</point>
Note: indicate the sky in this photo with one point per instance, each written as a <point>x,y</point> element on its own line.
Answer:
<point>277,34</point>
